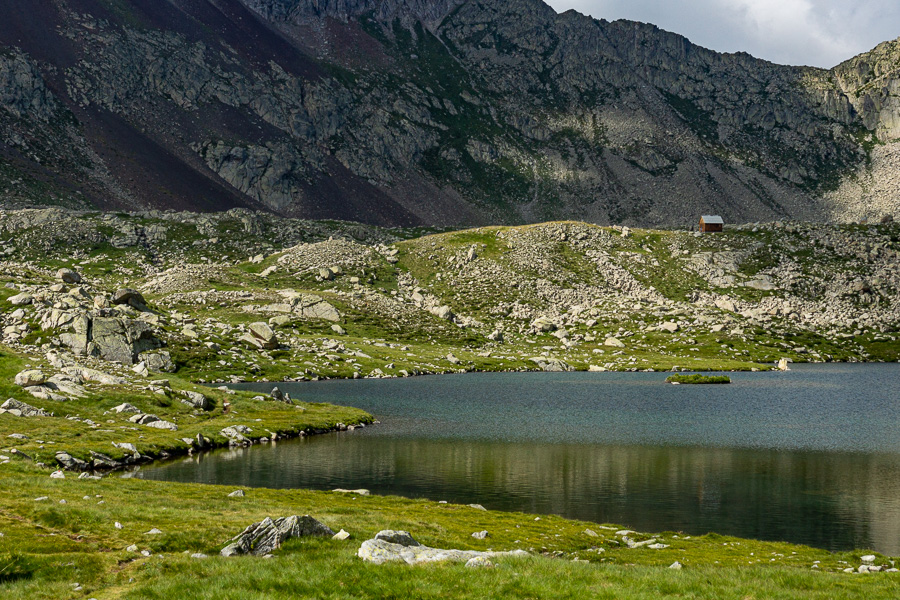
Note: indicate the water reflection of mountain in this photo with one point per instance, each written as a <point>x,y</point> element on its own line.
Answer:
<point>809,456</point>
<point>830,500</point>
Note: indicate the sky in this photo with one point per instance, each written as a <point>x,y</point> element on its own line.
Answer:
<point>818,33</point>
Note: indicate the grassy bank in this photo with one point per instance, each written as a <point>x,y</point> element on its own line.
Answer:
<point>47,547</point>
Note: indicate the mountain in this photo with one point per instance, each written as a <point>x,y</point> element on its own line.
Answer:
<point>407,112</point>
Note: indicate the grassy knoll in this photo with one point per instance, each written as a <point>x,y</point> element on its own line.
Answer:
<point>47,547</point>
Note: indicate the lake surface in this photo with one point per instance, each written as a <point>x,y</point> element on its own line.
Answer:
<point>809,456</point>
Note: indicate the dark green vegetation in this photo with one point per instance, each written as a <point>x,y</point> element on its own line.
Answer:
<point>697,378</point>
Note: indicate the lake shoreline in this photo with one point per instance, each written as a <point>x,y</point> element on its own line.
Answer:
<point>403,423</point>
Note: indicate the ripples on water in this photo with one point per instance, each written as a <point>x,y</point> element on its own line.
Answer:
<point>810,456</point>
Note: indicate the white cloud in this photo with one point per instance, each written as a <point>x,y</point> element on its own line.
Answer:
<point>812,32</point>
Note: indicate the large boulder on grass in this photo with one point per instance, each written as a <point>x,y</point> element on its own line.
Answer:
<point>262,538</point>
<point>30,377</point>
<point>399,546</point>
<point>122,340</point>
<point>158,362</point>
<point>18,408</point>
<point>261,336</point>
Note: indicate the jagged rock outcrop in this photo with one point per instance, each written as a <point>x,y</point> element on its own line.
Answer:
<point>421,112</point>
<point>118,339</point>
<point>871,82</point>
<point>260,539</point>
<point>21,409</point>
<point>22,90</point>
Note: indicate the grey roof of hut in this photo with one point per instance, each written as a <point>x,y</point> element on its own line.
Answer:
<point>712,219</point>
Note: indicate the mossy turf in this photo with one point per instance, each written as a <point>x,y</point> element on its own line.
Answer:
<point>47,547</point>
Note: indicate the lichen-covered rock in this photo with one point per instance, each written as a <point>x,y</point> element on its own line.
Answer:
<point>22,299</point>
<point>160,424</point>
<point>262,332</point>
<point>94,376</point>
<point>266,536</point>
<point>116,339</point>
<point>129,296</point>
<point>552,365</point>
<point>30,377</point>
<point>158,362</point>
<point>236,433</point>
<point>143,419</point>
<point>614,342</point>
<point>70,463</point>
<point>310,306</point>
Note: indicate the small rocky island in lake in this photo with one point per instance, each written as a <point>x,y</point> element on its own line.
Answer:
<point>697,378</point>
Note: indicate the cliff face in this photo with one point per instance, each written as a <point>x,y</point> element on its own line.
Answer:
<point>415,112</point>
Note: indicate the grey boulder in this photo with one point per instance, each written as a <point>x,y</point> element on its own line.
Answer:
<point>30,378</point>
<point>195,399</point>
<point>262,538</point>
<point>20,409</point>
<point>115,339</point>
<point>262,332</point>
<point>70,463</point>
<point>68,276</point>
<point>158,362</point>
<point>130,297</point>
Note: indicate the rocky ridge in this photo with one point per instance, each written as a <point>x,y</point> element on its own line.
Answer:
<point>431,113</point>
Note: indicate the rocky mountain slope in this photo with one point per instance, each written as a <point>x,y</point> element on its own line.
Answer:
<point>241,295</point>
<point>412,113</point>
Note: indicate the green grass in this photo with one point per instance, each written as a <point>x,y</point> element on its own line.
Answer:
<point>48,546</point>
<point>697,378</point>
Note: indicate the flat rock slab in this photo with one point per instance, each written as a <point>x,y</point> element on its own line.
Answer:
<point>395,546</point>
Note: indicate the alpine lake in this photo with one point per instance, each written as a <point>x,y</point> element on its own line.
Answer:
<point>809,456</point>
